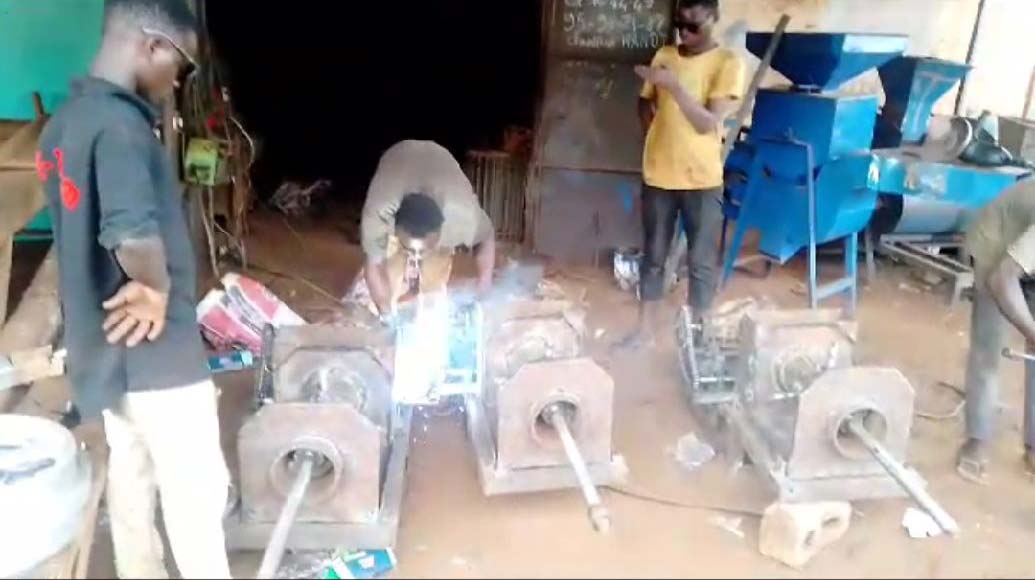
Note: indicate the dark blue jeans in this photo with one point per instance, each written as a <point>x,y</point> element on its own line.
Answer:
<point>701,213</point>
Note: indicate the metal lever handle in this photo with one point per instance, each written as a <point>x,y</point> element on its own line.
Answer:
<point>906,478</point>
<point>278,540</point>
<point>598,514</point>
<point>1014,355</point>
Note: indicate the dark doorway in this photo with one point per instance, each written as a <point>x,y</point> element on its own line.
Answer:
<point>328,86</point>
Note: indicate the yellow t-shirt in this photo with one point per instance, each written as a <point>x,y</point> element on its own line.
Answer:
<point>676,156</point>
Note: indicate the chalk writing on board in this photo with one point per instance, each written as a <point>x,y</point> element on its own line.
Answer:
<point>614,24</point>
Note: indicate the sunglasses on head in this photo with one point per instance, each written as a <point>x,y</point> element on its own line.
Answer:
<point>691,27</point>
<point>190,66</point>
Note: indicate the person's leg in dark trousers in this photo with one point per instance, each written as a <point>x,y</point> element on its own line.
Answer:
<point>987,327</point>
<point>987,331</point>
<point>660,211</point>
<point>1029,389</point>
<point>702,217</point>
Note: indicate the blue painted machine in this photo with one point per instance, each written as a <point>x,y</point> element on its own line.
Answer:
<point>938,191</point>
<point>803,175</point>
<point>927,194</point>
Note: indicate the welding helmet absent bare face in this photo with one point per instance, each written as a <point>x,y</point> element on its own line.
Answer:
<point>418,224</point>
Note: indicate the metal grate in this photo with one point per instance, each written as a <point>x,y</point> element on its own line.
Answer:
<point>498,179</point>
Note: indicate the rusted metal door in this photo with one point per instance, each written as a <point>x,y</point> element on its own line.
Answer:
<point>584,186</point>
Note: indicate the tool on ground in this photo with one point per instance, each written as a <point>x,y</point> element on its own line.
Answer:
<point>323,457</point>
<point>542,419</point>
<point>783,388</point>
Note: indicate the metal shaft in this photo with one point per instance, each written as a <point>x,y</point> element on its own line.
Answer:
<point>598,514</point>
<point>905,477</point>
<point>1014,355</point>
<point>275,548</point>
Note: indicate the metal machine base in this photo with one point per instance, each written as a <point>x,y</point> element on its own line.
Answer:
<point>915,251</point>
<point>497,481</point>
<point>378,534</point>
<point>798,490</point>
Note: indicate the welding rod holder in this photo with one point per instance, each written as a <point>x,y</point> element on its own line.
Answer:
<point>598,514</point>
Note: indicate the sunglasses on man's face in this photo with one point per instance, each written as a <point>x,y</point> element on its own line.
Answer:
<point>190,66</point>
<point>691,27</point>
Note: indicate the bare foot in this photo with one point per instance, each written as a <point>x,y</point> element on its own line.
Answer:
<point>972,462</point>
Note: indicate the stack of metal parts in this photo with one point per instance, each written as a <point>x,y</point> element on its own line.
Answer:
<point>802,177</point>
<point>817,427</point>
<point>499,182</point>
<point>324,455</point>
<point>544,417</point>
<point>44,484</point>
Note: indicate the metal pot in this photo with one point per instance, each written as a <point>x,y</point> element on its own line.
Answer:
<point>44,484</point>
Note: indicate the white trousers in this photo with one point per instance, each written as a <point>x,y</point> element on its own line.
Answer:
<point>166,443</point>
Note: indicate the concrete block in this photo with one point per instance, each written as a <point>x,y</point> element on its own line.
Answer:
<point>794,533</point>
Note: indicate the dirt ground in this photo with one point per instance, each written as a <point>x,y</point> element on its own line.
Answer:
<point>449,529</point>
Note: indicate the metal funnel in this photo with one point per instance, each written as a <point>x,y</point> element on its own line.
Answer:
<point>912,86</point>
<point>826,61</point>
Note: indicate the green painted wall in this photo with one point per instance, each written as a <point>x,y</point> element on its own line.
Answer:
<point>44,44</point>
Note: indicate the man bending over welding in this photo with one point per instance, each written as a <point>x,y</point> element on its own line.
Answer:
<point>689,91</point>
<point>127,282</point>
<point>420,207</point>
<point>1002,244</point>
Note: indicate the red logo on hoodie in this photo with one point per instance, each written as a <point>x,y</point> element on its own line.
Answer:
<point>70,194</point>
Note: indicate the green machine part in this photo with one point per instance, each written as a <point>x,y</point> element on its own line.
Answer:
<point>43,45</point>
<point>205,163</point>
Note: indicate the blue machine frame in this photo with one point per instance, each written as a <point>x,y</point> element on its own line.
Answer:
<point>808,176</point>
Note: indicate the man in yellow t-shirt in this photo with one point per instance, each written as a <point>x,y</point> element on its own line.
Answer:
<point>689,90</point>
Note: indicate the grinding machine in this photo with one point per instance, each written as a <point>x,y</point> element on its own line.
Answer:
<point>782,387</point>
<point>323,457</point>
<point>933,173</point>
<point>802,177</point>
<point>543,417</point>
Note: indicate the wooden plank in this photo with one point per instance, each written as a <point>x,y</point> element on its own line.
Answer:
<point>21,198</point>
<point>6,256</point>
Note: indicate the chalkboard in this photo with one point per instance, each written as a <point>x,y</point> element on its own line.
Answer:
<point>612,30</point>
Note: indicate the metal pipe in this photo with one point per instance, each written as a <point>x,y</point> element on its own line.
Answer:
<point>598,514</point>
<point>1014,355</point>
<point>278,540</point>
<point>905,477</point>
<point>961,95</point>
